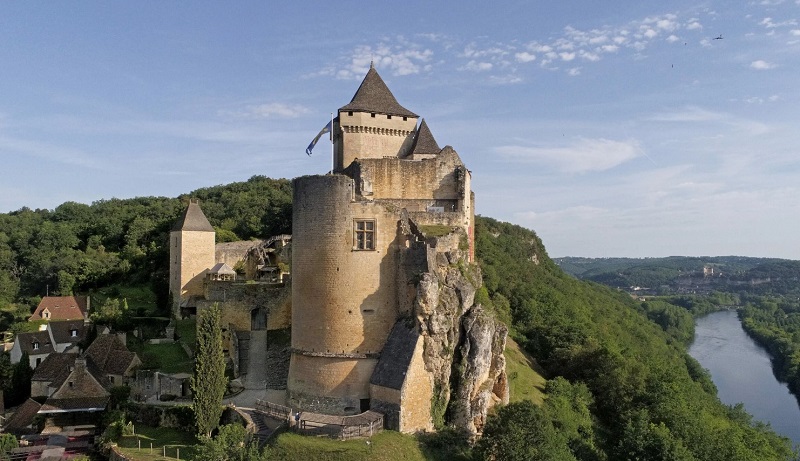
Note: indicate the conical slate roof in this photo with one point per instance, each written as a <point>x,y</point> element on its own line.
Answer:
<point>424,143</point>
<point>193,219</point>
<point>374,96</point>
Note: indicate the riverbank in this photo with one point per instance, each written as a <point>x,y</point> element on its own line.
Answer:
<point>742,371</point>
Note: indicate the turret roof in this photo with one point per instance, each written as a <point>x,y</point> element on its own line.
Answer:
<point>193,219</point>
<point>424,143</point>
<point>374,96</point>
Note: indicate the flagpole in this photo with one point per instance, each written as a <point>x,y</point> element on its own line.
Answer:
<point>333,157</point>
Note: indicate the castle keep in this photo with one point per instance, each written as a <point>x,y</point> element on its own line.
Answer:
<point>380,300</point>
<point>359,248</point>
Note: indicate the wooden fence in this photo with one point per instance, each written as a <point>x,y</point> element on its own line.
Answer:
<point>273,410</point>
<point>340,427</point>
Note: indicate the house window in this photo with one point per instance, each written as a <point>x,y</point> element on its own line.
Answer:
<point>372,115</point>
<point>405,119</point>
<point>388,117</point>
<point>36,345</point>
<point>350,113</point>
<point>71,384</point>
<point>364,234</point>
<point>73,333</point>
<point>111,379</point>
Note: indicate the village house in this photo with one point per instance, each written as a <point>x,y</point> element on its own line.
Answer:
<point>62,308</point>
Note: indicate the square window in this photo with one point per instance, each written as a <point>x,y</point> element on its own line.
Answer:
<point>364,234</point>
<point>388,117</point>
<point>372,115</point>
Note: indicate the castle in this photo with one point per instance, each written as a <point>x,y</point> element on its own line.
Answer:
<point>382,281</point>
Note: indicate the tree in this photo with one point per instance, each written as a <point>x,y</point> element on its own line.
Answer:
<point>112,312</point>
<point>209,381</point>
<point>20,381</point>
<point>522,431</point>
<point>232,443</point>
<point>7,443</point>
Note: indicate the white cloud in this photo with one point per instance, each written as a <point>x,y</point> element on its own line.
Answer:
<point>477,66</point>
<point>761,65</point>
<point>567,56</point>
<point>525,57</point>
<point>673,38</point>
<point>694,24</point>
<point>574,72</point>
<point>795,32</point>
<point>583,156</point>
<point>268,110</point>
<point>405,58</point>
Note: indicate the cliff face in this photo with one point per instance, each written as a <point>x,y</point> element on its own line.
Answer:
<point>463,344</point>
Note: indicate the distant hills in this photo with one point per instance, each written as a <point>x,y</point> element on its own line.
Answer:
<point>689,274</point>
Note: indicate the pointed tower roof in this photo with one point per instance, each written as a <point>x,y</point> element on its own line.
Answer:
<point>424,143</point>
<point>193,219</point>
<point>374,96</point>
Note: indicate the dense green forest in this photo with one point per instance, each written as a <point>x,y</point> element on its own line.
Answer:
<point>621,385</point>
<point>77,248</point>
<point>649,399</point>
<point>774,322</point>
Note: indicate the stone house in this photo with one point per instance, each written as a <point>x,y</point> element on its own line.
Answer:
<point>37,344</point>
<point>55,336</point>
<point>115,364</point>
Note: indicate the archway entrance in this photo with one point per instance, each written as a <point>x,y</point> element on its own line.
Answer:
<point>258,319</point>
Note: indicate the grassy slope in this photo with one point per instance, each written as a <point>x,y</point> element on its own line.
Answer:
<point>160,437</point>
<point>525,376</point>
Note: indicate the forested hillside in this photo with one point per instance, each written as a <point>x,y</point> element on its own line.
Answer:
<point>684,274</point>
<point>620,386</point>
<point>647,398</point>
<point>76,247</point>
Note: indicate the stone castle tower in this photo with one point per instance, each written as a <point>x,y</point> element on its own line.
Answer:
<point>360,247</point>
<point>191,254</point>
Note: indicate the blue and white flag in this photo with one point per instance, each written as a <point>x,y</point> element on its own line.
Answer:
<point>325,129</point>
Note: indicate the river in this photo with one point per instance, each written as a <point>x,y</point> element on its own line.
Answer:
<point>742,371</point>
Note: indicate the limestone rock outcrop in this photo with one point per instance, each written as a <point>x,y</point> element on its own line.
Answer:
<point>463,344</point>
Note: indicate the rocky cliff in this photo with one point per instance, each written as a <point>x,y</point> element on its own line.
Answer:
<point>463,343</point>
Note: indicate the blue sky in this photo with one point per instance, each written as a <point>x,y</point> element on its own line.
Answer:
<point>609,128</point>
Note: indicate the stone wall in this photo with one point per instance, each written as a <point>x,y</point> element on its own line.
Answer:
<point>332,385</point>
<point>231,253</point>
<point>238,300</point>
<point>191,255</point>
<point>365,135</point>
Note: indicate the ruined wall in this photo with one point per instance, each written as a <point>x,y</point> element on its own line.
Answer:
<point>238,300</point>
<point>365,135</point>
<point>389,178</point>
<point>231,253</point>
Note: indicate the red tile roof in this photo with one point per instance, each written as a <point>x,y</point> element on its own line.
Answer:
<point>62,308</point>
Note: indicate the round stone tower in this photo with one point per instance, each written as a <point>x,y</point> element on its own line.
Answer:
<point>343,293</point>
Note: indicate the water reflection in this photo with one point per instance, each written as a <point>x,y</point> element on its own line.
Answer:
<point>742,372</point>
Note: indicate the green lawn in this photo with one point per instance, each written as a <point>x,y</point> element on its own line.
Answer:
<point>386,446</point>
<point>187,331</point>
<point>168,358</point>
<point>525,381</point>
<point>160,438</point>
